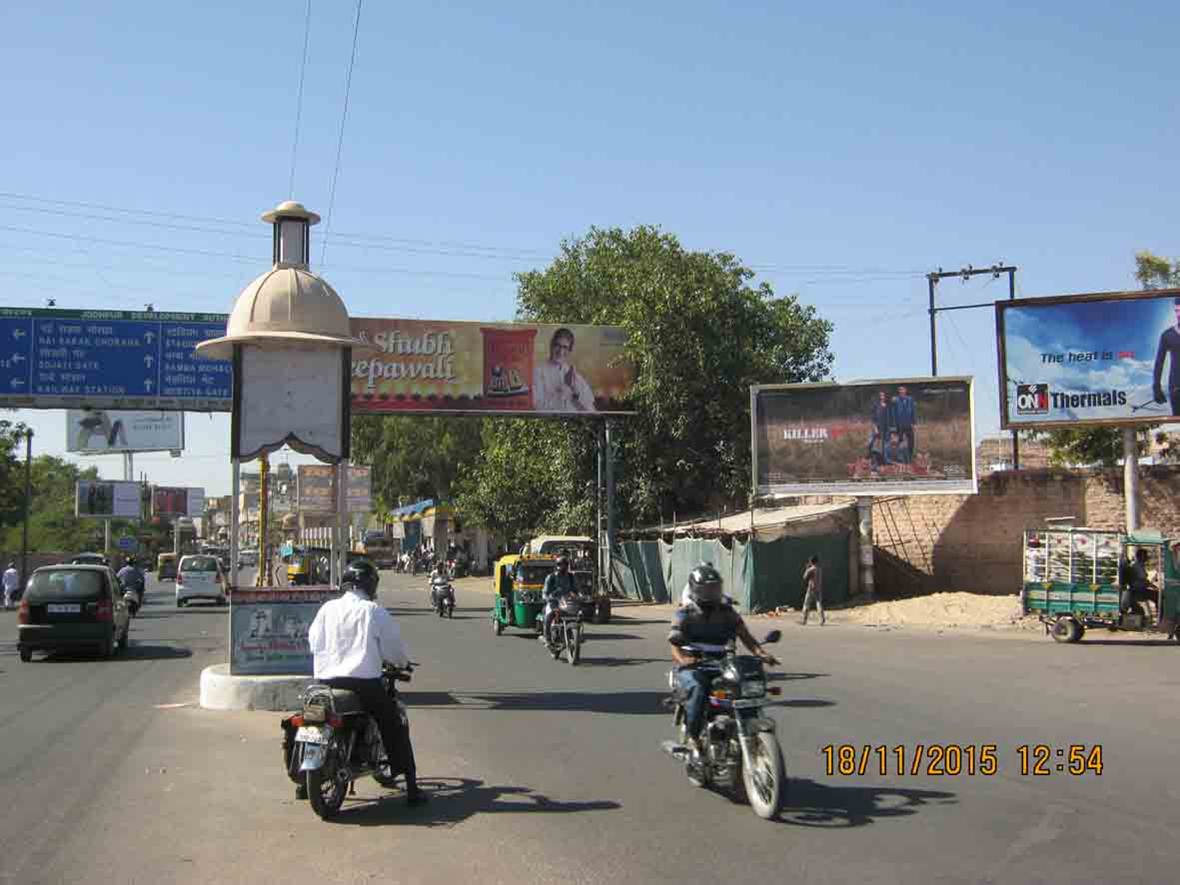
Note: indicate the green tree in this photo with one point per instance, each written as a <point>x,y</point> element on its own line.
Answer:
<point>414,456</point>
<point>1154,272</point>
<point>12,473</point>
<point>699,335</point>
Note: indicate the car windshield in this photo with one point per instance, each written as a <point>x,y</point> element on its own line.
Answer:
<point>374,538</point>
<point>89,558</point>
<point>533,574</point>
<point>199,564</point>
<point>65,584</point>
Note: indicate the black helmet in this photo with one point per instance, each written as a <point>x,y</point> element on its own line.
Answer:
<point>704,585</point>
<point>362,575</point>
<point>563,561</point>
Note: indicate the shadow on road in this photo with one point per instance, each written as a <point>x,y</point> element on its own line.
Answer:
<point>811,804</point>
<point>591,633</point>
<point>133,652</point>
<point>787,677</point>
<point>630,702</point>
<point>454,800</point>
<point>618,662</point>
<point>1139,642</point>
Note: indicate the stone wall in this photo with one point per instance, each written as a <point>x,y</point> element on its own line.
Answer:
<point>930,543</point>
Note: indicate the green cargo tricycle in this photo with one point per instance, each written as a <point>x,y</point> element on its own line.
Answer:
<point>1077,578</point>
<point>520,581</point>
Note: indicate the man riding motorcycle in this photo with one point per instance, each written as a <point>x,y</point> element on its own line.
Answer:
<point>350,638</point>
<point>710,623</point>
<point>131,578</point>
<point>557,584</point>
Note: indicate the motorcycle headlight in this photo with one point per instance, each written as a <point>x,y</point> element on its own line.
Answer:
<point>729,672</point>
<point>753,688</point>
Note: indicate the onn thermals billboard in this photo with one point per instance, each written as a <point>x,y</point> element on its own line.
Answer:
<point>498,368</point>
<point>1107,358</point>
<point>883,437</point>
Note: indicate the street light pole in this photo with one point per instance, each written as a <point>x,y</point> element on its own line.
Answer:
<point>24,541</point>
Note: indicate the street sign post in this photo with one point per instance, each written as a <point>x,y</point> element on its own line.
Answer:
<point>103,359</point>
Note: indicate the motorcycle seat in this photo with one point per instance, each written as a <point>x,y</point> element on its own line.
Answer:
<point>346,701</point>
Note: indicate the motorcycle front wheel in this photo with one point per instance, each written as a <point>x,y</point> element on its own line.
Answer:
<point>765,779</point>
<point>326,791</point>
<point>573,646</point>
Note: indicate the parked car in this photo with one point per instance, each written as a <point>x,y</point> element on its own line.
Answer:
<point>72,607</point>
<point>199,576</point>
<point>248,559</point>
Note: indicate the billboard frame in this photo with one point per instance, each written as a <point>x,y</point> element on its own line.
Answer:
<point>1080,298</point>
<point>869,490</point>
<point>129,450</point>
<point>114,484</point>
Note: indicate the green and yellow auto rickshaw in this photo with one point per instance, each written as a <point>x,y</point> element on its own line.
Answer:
<point>519,582</point>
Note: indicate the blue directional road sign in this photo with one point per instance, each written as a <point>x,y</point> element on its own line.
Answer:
<point>129,544</point>
<point>55,359</point>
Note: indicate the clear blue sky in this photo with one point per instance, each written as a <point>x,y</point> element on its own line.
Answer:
<point>841,150</point>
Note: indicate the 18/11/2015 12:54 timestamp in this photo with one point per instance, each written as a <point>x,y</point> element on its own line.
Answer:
<point>957,760</point>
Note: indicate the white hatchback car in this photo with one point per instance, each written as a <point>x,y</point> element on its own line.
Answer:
<point>199,576</point>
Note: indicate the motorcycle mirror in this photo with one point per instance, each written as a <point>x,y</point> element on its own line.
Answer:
<point>772,637</point>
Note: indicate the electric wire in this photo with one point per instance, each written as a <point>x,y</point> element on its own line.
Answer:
<point>340,142</point>
<point>299,101</point>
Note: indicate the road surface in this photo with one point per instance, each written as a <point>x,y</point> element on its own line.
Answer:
<point>542,772</point>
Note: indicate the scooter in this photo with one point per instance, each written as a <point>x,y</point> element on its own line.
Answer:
<point>442,597</point>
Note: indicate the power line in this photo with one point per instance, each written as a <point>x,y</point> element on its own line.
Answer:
<point>299,100</point>
<point>340,142</point>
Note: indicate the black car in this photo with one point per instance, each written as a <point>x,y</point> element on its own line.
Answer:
<point>72,608</point>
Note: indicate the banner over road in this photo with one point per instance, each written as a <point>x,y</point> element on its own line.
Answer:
<point>892,436</point>
<point>96,498</point>
<point>489,368</point>
<point>1107,358</point>
<point>109,359</point>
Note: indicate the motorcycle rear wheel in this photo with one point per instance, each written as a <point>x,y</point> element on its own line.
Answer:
<point>326,793</point>
<point>765,781</point>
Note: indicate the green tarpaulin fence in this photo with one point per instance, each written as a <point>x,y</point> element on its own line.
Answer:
<point>759,575</point>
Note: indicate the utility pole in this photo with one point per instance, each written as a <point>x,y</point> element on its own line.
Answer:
<point>966,273</point>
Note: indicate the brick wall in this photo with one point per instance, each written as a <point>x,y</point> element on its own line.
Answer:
<point>930,543</point>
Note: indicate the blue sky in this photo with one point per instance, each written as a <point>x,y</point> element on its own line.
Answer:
<point>840,151</point>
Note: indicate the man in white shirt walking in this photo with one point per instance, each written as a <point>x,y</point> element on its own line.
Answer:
<point>11,585</point>
<point>350,638</point>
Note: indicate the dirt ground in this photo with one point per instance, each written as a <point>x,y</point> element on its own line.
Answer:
<point>938,611</point>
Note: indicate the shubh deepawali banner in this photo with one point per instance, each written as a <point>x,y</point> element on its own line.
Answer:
<point>498,368</point>
<point>887,437</point>
<point>1109,358</point>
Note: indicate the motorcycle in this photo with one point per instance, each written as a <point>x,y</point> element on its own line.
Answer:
<point>133,591</point>
<point>739,750</point>
<point>333,742</point>
<point>442,597</point>
<point>566,631</point>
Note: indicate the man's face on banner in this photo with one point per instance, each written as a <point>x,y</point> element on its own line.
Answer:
<point>1176,309</point>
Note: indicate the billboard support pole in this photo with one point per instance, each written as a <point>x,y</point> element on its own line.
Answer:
<point>235,489</point>
<point>260,579</point>
<point>1015,432</point>
<point>599,537</point>
<point>610,508</point>
<point>931,279</point>
<point>106,537</point>
<point>1131,478</point>
<point>864,526</point>
<point>24,532</point>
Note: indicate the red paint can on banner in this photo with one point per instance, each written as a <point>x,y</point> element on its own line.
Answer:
<point>508,367</point>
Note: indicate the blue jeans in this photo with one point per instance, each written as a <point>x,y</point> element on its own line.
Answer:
<point>695,684</point>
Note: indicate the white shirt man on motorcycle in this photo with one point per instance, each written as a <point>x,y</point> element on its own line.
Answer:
<point>350,638</point>
<point>557,584</point>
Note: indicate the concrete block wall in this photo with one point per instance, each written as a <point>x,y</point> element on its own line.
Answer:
<point>973,542</point>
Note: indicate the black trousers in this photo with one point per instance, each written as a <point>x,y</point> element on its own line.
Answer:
<point>394,735</point>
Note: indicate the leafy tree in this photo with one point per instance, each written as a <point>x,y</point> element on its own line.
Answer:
<point>1154,272</point>
<point>699,335</point>
<point>12,472</point>
<point>414,456</point>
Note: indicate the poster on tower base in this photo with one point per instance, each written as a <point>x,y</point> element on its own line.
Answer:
<point>906,436</point>
<point>1107,358</point>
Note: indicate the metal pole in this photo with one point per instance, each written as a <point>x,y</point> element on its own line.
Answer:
<point>1131,478</point>
<point>610,508</point>
<point>931,279</point>
<point>24,533</point>
<point>234,512</point>
<point>599,540</point>
<point>263,513</point>
<point>1015,432</point>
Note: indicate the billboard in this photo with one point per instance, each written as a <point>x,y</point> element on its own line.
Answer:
<point>175,501</point>
<point>268,629</point>
<point>95,431</point>
<point>1108,358</point>
<point>884,437</point>
<point>107,500</point>
<point>317,488</point>
<point>359,490</point>
<point>497,368</point>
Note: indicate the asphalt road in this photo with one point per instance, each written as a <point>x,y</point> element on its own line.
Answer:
<point>542,772</point>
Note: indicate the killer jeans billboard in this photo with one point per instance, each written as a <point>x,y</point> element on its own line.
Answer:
<point>885,437</point>
<point>497,368</point>
<point>1110,358</point>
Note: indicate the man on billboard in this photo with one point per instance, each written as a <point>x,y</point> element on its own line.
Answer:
<point>557,385</point>
<point>1169,346</point>
<point>880,418</point>
<point>95,422</point>
<point>905,415</point>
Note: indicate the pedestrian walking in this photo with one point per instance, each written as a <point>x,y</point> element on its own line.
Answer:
<point>813,589</point>
<point>11,585</point>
